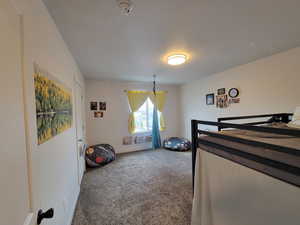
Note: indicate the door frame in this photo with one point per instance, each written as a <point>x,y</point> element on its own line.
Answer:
<point>31,218</point>
<point>79,84</point>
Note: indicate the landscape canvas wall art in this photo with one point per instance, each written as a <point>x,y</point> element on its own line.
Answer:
<point>53,106</point>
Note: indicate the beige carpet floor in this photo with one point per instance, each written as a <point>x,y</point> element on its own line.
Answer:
<point>141,188</point>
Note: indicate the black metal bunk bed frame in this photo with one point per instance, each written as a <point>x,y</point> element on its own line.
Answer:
<point>279,170</point>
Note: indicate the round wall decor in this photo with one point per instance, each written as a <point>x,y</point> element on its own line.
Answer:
<point>233,92</point>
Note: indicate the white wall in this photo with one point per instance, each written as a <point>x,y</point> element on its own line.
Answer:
<point>114,126</point>
<point>54,163</point>
<point>14,194</point>
<point>269,85</point>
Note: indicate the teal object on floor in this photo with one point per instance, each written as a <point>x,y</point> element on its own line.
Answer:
<point>156,141</point>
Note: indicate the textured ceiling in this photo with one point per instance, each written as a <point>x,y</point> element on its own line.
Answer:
<point>217,34</point>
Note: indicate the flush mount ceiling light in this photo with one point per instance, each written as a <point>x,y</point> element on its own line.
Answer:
<point>177,59</point>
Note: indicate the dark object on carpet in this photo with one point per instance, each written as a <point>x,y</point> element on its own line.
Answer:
<point>99,155</point>
<point>177,144</point>
<point>152,187</point>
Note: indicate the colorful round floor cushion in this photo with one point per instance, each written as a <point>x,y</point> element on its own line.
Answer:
<point>99,155</point>
<point>177,144</point>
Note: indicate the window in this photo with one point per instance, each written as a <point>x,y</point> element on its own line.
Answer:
<point>144,117</point>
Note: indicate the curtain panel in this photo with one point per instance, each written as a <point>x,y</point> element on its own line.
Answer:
<point>156,140</point>
<point>159,101</point>
<point>137,98</point>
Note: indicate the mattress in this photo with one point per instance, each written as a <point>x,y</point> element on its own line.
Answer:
<point>281,163</point>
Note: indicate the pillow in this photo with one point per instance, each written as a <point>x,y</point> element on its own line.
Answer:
<point>296,115</point>
<point>295,123</point>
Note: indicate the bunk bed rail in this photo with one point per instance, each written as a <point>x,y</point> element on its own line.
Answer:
<point>287,172</point>
<point>278,117</point>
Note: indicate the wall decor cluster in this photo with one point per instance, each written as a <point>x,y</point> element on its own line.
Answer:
<point>223,100</point>
<point>98,111</point>
<point>53,105</point>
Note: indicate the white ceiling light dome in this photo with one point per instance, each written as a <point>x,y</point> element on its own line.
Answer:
<point>177,59</point>
<point>126,6</point>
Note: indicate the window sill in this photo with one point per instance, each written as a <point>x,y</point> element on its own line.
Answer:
<point>142,133</point>
<point>146,132</point>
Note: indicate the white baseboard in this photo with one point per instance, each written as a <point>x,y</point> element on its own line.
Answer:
<point>29,219</point>
<point>133,150</point>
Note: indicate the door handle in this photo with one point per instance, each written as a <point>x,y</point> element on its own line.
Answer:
<point>44,215</point>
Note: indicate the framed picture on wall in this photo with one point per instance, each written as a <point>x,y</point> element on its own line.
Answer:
<point>221,91</point>
<point>94,106</point>
<point>222,101</point>
<point>102,106</point>
<point>233,93</point>
<point>210,99</point>
<point>234,100</point>
<point>55,116</point>
<point>98,114</point>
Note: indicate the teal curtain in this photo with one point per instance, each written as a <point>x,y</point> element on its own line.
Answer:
<point>156,142</point>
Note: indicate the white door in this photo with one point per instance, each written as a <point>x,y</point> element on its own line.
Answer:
<point>79,104</point>
<point>15,205</point>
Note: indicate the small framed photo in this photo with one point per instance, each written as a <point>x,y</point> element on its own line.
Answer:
<point>98,114</point>
<point>234,100</point>
<point>210,99</point>
<point>221,91</point>
<point>94,106</point>
<point>102,106</point>
<point>222,101</point>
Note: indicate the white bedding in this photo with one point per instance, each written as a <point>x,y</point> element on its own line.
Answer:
<point>295,123</point>
<point>227,193</point>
